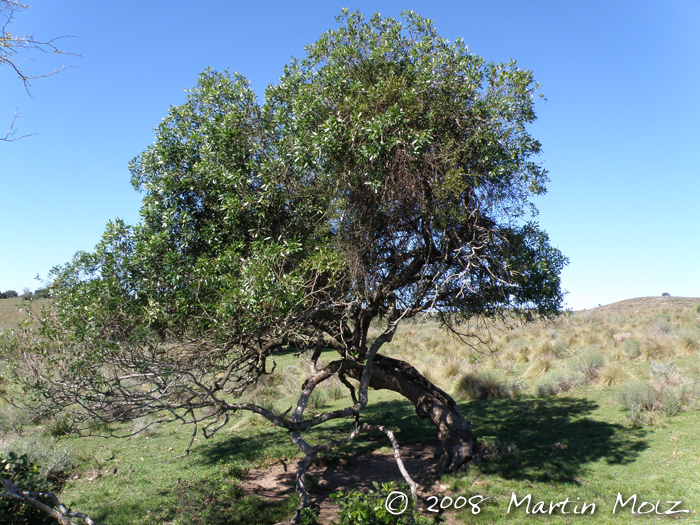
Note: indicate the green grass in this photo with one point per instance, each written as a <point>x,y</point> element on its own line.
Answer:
<point>566,434</point>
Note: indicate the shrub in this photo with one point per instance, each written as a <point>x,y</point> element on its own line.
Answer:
<point>42,293</point>
<point>13,420</point>
<point>653,350</point>
<point>9,294</point>
<point>451,367</point>
<point>588,364</point>
<point>666,372</point>
<point>336,390</point>
<point>638,396</point>
<point>358,508</point>
<point>60,426</point>
<point>53,460</point>
<point>26,474</point>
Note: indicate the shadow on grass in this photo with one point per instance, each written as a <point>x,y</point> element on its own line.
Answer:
<point>525,439</point>
<point>548,440</point>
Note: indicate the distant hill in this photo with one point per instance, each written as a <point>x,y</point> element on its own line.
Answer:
<point>643,303</point>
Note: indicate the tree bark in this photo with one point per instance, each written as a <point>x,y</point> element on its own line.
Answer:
<point>431,403</point>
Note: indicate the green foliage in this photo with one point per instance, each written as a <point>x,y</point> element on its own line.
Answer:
<point>245,206</point>
<point>42,293</point>
<point>359,508</point>
<point>27,476</point>
<point>8,294</point>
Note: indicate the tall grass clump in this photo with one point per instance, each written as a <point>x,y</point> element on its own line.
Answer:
<point>632,348</point>
<point>588,363</point>
<point>486,386</point>
<point>612,374</point>
<point>558,381</point>
<point>540,366</point>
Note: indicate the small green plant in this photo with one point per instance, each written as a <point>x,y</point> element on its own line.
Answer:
<point>359,508</point>
<point>309,516</point>
<point>61,426</point>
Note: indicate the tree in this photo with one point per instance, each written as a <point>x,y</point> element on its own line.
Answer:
<point>387,176</point>
<point>11,45</point>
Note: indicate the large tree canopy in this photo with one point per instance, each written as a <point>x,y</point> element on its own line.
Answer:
<point>388,174</point>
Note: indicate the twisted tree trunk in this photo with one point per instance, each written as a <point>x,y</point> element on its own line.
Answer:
<point>431,403</point>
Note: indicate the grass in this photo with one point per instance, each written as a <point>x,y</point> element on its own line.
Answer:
<point>562,410</point>
<point>11,312</point>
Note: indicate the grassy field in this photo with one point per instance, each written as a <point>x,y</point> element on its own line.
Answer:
<point>11,312</point>
<point>600,403</point>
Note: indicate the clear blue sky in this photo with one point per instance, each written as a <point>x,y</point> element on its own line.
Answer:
<point>620,128</point>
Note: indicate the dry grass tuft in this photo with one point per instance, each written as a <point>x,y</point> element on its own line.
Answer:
<point>541,365</point>
<point>612,374</point>
<point>687,345</point>
<point>486,386</point>
<point>517,353</point>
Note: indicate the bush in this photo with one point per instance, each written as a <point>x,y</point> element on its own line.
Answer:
<point>26,474</point>
<point>60,426</point>
<point>53,460</point>
<point>318,398</point>
<point>13,420</point>
<point>358,508</point>
<point>9,294</point>
<point>638,396</point>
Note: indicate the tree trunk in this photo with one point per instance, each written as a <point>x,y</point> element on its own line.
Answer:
<point>431,402</point>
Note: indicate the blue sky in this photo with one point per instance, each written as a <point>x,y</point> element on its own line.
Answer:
<point>620,128</point>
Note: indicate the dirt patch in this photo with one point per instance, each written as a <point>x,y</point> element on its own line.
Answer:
<point>356,471</point>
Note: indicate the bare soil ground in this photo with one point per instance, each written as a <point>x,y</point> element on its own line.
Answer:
<point>351,472</point>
